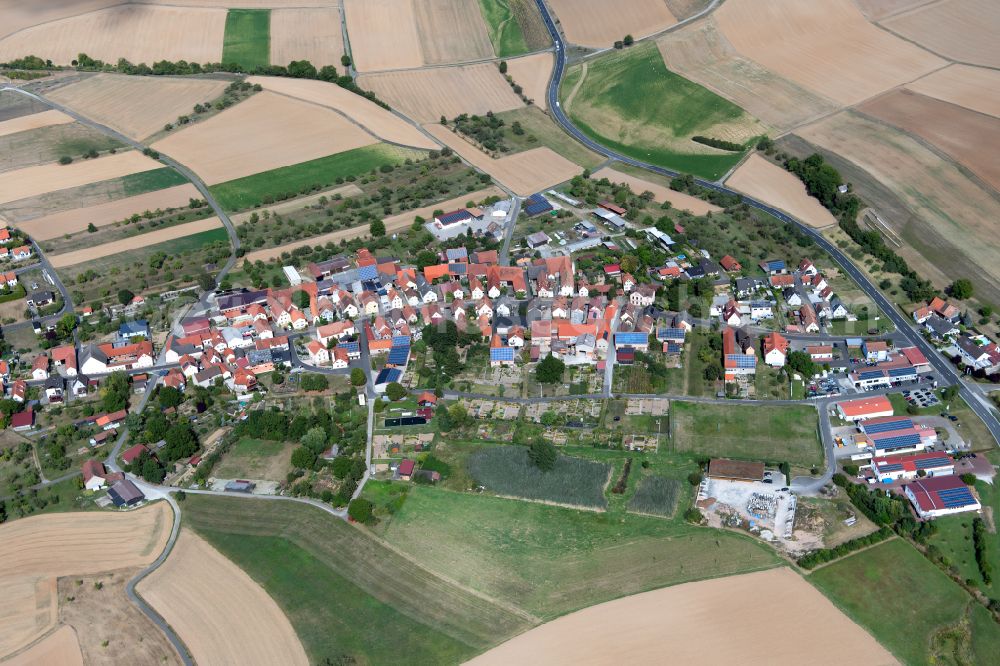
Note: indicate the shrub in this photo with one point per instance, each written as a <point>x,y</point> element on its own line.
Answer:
<point>360,511</point>
<point>694,478</point>
<point>693,515</point>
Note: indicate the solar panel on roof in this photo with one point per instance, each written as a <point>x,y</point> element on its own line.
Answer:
<point>673,348</point>
<point>937,461</point>
<point>891,467</point>
<point>670,333</point>
<point>351,347</point>
<point>400,341</point>
<point>743,360</point>
<point>631,339</point>
<point>398,356</point>
<point>955,497</point>
<point>902,372</point>
<point>898,442</point>
<point>501,354</point>
<point>387,375</point>
<point>889,426</point>
<point>367,272</point>
<point>871,374</point>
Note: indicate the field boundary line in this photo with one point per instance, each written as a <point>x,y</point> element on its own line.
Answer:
<point>446,65</point>
<point>809,572</point>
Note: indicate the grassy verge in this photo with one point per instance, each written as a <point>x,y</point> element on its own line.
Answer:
<point>757,432</point>
<point>541,130</point>
<point>909,606</point>
<point>304,177</point>
<point>248,38</point>
<point>631,102</point>
<point>354,584</point>
<point>505,33</point>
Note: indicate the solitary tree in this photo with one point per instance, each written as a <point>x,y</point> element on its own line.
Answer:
<point>543,454</point>
<point>125,296</point>
<point>550,370</point>
<point>377,228</point>
<point>395,391</point>
<point>358,377</point>
<point>628,41</point>
<point>961,289</point>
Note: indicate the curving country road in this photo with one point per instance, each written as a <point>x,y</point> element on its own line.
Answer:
<point>970,393</point>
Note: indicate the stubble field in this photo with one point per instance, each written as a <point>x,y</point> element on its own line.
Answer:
<point>32,181</point>
<point>134,242</point>
<point>33,121</point>
<point>264,132</point>
<point>60,647</point>
<point>532,73</point>
<point>383,34</point>
<point>427,94</point>
<point>661,193</point>
<point>974,88</point>
<point>964,30</point>
<point>771,184</point>
<point>312,34</point>
<point>219,612</point>
<point>452,31</point>
<point>599,24</point>
<point>137,106</point>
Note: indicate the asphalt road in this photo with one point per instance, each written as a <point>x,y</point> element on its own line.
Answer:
<point>970,393</point>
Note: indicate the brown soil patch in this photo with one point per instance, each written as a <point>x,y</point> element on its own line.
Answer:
<point>75,220</point>
<point>383,34</point>
<point>382,123</point>
<point>106,614</point>
<point>306,34</point>
<point>949,207</point>
<point>60,647</point>
<point>427,94</point>
<point>679,200</point>
<point>393,224</point>
<point>532,73</point>
<point>700,52</point>
<point>737,619</point>
<point>33,121</point>
<point>877,10</point>
<point>974,88</point>
<point>973,139</point>
<point>32,181</point>
<point>37,550</point>
<point>827,47</point>
<point>264,132</point>
<point>964,30</point>
<point>599,23</point>
<point>152,101</point>
<point>139,33</point>
<point>134,242</point>
<point>452,31</point>
<point>220,613</point>
<point>771,184</point>
<point>349,190</point>
<point>524,173</point>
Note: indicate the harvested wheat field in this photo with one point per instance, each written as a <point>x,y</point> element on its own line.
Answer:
<point>452,31</point>
<point>956,217</point>
<point>679,200</point>
<point>35,551</point>
<point>700,52</point>
<point>264,132</point>
<point>971,138</point>
<point>139,33</point>
<point>18,14</point>
<point>737,619</point>
<point>220,613</point>
<point>382,123</point>
<point>524,173</point>
<point>77,219</point>
<point>965,30</point>
<point>828,47</point>
<point>877,10</point>
<point>134,242</point>
<point>974,88</point>
<point>137,106</point>
<point>427,94</point>
<point>383,34</point>
<point>773,185</point>
<point>532,73</point>
<point>33,121</point>
<point>299,203</point>
<point>36,180</point>
<point>393,224</point>
<point>58,648</point>
<point>312,34</point>
<point>599,23</point>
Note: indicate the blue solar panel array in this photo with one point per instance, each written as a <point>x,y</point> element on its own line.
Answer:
<point>898,442</point>
<point>743,360</point>
<point>670,334</point>
<point>631,339</point>
<point>902,372</point>
<point>536,204</point>
<point>956,497</point>
<point>501,354</point>
<point>890,467</point>
<point>398,355</point>
<point>674,348</point>
<point>368,272</point>
<point>776,265</point>
<point>400,341</point>
<point>889,426</point>
<point>456,216</point>
<point>937,461</point>
<point>388,375</point>
<point>871,374</point>
<point>351,347</point>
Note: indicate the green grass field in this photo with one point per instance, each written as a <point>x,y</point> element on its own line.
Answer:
<point>910,606</point>
<point>150,181</point>
<point>362,600</point>
<point>505,33</point>
<point>551,560</point>
<point>255,459</point>
<point>954,539</point>
<point>248,38</point>
<point>756,432</point>
<point>630,102</point>
<point>286,182</point>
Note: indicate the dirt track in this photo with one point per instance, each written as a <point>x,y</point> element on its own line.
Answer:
<point>972,87</point>
<point>134,242</point>
<point>33,121</point>
<point>599,23</point>
<point>152,101</point>
<point>380,122</point>
<point>393,224</point>
<point>775,186</point>
<point>679,200</point>
<point>769,617</point>
<point>32,181</point>
<point>58,648</point>
<point>220,613</point>
<point>72,221</point>
<point>265,132</point>
<point>306,34</point>
<point>965,30</point>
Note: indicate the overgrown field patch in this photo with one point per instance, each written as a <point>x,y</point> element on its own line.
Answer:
<point>507,470</point>
<point>248,38</point>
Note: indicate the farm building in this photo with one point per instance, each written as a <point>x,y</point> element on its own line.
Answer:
<point>125,493</point>
<point>536,204</point>
<point>940,496</point>
<point>405,470</point>
<point>735,470</point>
<point>538,239</point>
<point>22,421</point>
<point>636,340</point>
<point>864,408</point>
<point>893,468</point>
